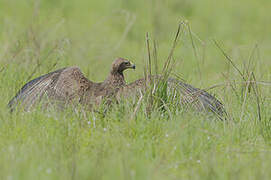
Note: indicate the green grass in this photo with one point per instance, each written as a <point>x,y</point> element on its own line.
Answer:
<point>40,36</point>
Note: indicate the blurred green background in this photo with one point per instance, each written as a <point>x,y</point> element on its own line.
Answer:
<point>39,36</point>
<point>91,34</point>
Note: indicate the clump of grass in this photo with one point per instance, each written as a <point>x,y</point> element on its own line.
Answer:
<point>168,94</point>
<point>248,82</point>
<point>157,84</point>
<point>249,93</point>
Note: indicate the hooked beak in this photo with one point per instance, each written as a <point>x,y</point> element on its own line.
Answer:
<point>132,65</point>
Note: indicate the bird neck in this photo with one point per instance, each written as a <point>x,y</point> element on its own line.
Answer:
<point>115,79</point>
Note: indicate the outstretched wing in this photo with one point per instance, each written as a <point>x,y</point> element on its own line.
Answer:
<point>189,95</point>
<point>62,85</point>
<point>199,99</point>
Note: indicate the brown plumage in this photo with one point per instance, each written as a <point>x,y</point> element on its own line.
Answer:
<point>187,95</point>
<point>69,85</point>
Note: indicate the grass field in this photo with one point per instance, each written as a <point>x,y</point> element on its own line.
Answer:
<point>37,37</point>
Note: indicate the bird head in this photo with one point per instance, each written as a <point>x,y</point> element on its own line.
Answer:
<point>121,64</point>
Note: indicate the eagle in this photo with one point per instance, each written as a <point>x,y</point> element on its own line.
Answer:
<point>69,86</point>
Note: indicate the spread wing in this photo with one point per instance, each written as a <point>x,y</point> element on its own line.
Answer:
<point>187,94</point>
<point>199,99</point>
<point>62,85</point>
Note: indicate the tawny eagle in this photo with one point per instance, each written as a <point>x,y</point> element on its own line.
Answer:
<point>69,85</point>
